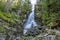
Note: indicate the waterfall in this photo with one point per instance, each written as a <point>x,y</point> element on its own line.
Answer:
<point>30,21</point>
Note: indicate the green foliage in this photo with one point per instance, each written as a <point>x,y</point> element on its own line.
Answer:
<point>2,6</point>
<point>26,7</point>
<point>9,17</point>
<point>2,28</point>
<point>50,10</point>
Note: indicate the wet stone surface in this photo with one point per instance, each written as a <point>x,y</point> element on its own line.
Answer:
<point>1,38</point>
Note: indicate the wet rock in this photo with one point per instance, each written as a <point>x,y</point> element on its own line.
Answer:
<point>33,31</point>
<point>1,38</point>
<point>44,27</point>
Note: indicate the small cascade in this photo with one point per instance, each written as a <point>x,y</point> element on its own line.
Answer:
<point>30,21</point>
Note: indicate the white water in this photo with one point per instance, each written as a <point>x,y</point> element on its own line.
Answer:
<point>1,38</point>
<point>30,21</point>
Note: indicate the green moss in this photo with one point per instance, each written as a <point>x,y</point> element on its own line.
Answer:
<point>2,28</point>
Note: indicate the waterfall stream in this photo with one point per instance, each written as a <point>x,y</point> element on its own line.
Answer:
<point>30,21</point>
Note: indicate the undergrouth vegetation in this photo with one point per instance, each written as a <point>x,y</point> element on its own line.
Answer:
<point>13,16</point>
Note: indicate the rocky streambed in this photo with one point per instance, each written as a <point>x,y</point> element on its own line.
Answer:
<point>50,35</point>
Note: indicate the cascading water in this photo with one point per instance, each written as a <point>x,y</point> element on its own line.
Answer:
<point>30,22</point>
